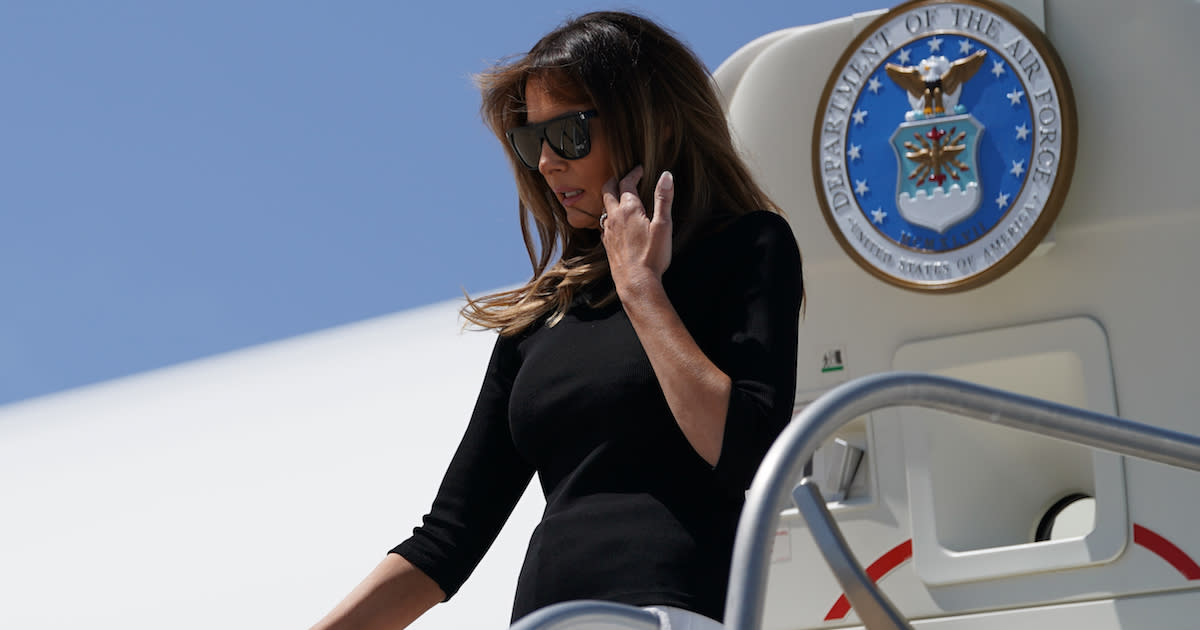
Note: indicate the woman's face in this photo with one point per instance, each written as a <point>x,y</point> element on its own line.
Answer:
<point>578,184</point>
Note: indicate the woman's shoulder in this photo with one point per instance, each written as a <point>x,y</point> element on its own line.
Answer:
<point>739,242</point>
<point>756,229</point>
<point>762,222</point>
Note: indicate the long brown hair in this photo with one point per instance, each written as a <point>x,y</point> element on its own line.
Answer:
<point>660,109</point>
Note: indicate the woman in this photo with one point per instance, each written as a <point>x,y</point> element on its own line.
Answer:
<point>644,372</point>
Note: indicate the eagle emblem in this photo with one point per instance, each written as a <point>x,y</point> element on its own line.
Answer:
<point>935,80</point>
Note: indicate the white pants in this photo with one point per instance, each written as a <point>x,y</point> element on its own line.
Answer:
<point>671,618</point>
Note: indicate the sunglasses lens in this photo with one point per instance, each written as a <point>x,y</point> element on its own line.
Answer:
<point>527,144</point>
<point>569,137</point>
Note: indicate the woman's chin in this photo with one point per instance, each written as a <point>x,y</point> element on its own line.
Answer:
<point>581,220</point>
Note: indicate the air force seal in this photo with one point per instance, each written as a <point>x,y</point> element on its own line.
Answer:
<point>944,143</point>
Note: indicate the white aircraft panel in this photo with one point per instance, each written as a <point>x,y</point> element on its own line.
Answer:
<point>252,489</point>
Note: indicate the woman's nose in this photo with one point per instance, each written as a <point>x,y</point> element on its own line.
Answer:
<point>549,161</point>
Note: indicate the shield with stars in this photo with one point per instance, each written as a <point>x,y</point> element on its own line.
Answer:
<point>944,144</point>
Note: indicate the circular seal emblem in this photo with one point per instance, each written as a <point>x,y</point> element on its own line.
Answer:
<point>944,144</point>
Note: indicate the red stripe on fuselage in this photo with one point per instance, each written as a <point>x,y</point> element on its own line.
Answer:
<point>1166,550</point>
<point>881,567</point>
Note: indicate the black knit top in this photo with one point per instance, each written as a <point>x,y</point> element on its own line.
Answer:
<point>633,514</point>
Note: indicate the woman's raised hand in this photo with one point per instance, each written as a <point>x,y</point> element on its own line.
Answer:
<point>639,248</point>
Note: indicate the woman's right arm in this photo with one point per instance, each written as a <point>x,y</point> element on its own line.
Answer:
<point>391,597</point>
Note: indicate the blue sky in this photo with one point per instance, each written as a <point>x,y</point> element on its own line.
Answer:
<point>183,179</point>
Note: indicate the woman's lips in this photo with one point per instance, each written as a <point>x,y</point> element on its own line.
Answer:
<point>569,197</point>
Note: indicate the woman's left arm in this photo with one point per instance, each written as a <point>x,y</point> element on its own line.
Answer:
<point>639,251</point>
<point>696,390</point>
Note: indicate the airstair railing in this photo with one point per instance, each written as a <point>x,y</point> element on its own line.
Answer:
<point>817,423</point>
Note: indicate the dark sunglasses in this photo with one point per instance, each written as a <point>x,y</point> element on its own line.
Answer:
<point>567,136</point>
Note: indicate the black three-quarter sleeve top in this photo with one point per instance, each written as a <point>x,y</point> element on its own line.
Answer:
<point>633,514</point>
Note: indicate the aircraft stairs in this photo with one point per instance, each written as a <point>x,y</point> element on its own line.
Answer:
<point>787,460</point>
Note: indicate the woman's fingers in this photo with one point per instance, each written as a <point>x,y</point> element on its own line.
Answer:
<point>630,181</point>
<point>623,192</point>
<point>664,195</point>
<point>611,195</point>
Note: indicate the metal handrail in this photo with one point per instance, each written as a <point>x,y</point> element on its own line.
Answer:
<point>817,423</point>
<point>876,611</point>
